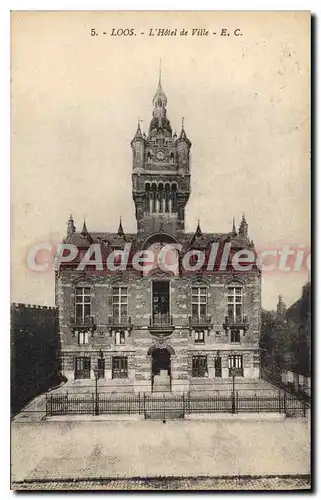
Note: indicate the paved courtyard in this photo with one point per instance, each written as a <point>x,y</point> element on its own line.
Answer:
<point>149,449</point>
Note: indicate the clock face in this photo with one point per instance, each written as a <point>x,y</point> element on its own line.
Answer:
<point>160,155</point>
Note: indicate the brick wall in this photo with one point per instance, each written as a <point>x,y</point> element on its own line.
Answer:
<point>34,352</point>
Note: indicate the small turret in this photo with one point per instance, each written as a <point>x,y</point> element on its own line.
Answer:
<point>281,308</point>
<point>198,238</point>
<point>120,231</point>
<point>138,147</point>
<point>183,147</point>
<point>85,234</point>
<point>243,230</point>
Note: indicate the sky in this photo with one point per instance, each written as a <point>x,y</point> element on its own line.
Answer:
<point>76,99</point>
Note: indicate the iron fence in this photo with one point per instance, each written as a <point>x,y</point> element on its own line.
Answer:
<point>172,406</point>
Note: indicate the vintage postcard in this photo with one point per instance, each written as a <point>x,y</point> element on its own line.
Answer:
<point>161,289</point>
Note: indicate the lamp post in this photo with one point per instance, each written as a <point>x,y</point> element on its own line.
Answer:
<point>96,373</point>
<point>233,372</point>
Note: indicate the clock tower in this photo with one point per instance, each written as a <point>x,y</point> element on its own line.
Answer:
<point>161,174</point>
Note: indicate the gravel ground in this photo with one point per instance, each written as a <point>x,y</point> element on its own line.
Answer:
<point>261,483</point>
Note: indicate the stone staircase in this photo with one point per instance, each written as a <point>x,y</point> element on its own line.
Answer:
<point>162,382</point>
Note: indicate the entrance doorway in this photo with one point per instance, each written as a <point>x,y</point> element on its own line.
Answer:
<point>161,361</point>
<point>161,370</point>
<point>160,302</point>
<point>218,367</point>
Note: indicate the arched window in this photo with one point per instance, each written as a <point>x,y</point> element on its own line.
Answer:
<point>174,198</point>
<point>161,197</point>
<point>149,158</point>
<point>171,158</point>
<point>147,197</point>
<point>154,197</point>
<point>167,195</point>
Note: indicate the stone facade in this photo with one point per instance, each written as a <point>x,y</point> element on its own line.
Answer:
<point>134,328</point>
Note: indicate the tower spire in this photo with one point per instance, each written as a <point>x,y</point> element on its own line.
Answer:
<point>160,73</point>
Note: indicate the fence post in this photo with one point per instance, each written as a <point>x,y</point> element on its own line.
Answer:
<point>144,401</point>
<point>233,402</point>
<point>93,402</point>
<point>304,408</point>
<point>183,405</point>
<point>237,402</point>
<point>139,407</point>
<point>50,404</point>
<point>285,403</point>
<point>164,408</point>
<point>280,405</point>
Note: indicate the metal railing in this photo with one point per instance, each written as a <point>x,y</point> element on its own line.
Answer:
<point>173,406</point>
<point>200,320</point>
<point>119,321</point>
<point>82,321</point>
<point>236,320</point>
<point>161,319</point>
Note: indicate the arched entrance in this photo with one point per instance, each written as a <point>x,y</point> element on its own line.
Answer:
<point>161,362</point>
<point>161,368</point>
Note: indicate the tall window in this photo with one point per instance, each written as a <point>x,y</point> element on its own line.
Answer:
<point>234,302</point>
<point>119,338</point>
<point>167,195</point>
<point>83,308</point>
<point>199,302</point>
<point>82,338</point>
<point>174,198</point>
<point>161,198</point>
<point>235,364</point>
<point>199,366</point>
<point>199,337</point>
<point>120,300</point>
<point>147,198</point>
<point>119,367</point>
<point>154,198</point>
<point>235,335</point>
<point>82,368</point>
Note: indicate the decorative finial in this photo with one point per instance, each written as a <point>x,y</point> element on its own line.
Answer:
<point>233,228</point>
<point>198,232</point>
<point>71,228</point>
<point>120,231</point>
<point>160,72</point>
<point>182,122</point>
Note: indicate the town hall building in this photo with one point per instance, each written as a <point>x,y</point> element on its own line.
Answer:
<point>156,328</point>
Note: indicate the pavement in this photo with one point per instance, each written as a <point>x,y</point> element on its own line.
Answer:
<point>65,451</point>
<point>185,484</point>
